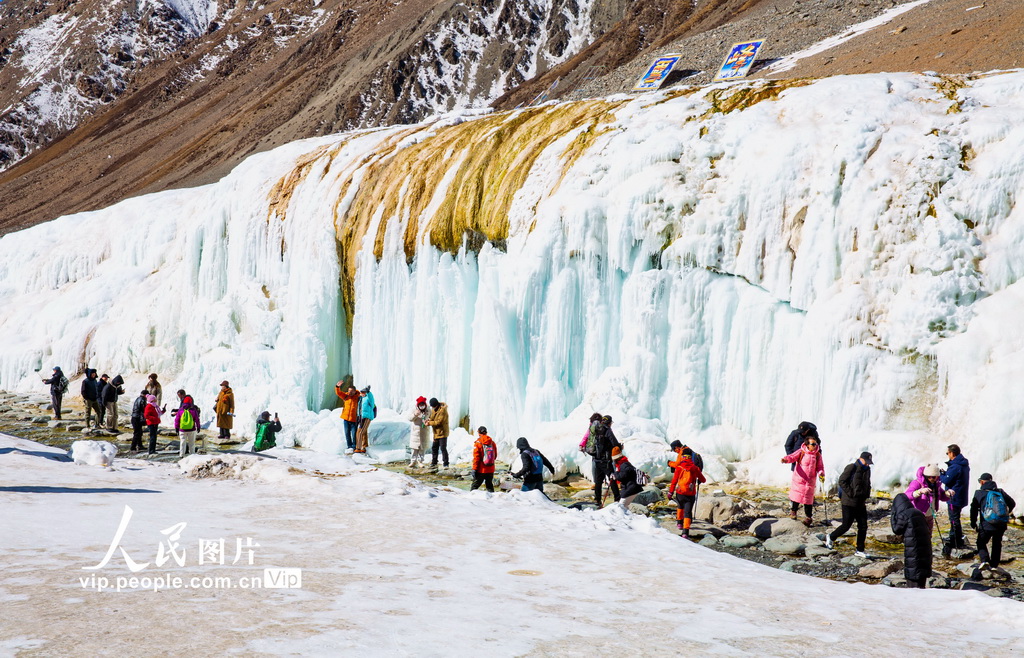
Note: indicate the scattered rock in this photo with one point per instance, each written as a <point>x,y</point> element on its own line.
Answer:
<point>739,541</point>
<point>584,495</point>
<point>40,420</point>
<point>720,509</point>
<point>784,545</point>
<point>708,541</point>
<point>855,561</point>
<point>771,527</point>
<point>818,551</point>
<point>937,582</point>
<point>789,564</point>
<point>886,536</point>
<point>75,428</point>
<point>651,494</point>
<point>893,580</point>
<point>555,492</point>
<point>639,509</point>
<point>707,528</point>
<point>880,569</point>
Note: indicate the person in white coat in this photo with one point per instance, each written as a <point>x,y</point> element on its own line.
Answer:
<point>419,437</point>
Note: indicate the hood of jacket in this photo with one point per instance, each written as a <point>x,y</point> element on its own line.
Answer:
<point>522,443</point>
<point>901,504</point>
<point>117,381</point>
<point>89,372</point>
<point>989,486</point>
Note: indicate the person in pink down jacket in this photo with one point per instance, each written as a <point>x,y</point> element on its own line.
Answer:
<point>802,487</point>
<point>926,491</point>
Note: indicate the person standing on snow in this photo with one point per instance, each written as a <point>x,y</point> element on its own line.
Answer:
<point>154,388</point>
<point>349,413</point>
<point>805,430</point>
<point>604,468</point>
<point>58,387</point>
<point>855,484</point>
<point>91,396</point>
<point>138,420</point>
<point>420,434</point>
<point>186,424</point>
<point>225,410</point>
<point>807,464</point>
<point>485,454</point>
<point>911,523</point>
<point>108,396</point>
<point>957,479</point>
<point>152,415</point>
<point>994,517</point>
<point>533,464</point>
<point>266,431</point>
<point>687,477</point>
<point>439,422</point>
<point>626,476</point>
<point>367,412</point>
<point>925,492</point>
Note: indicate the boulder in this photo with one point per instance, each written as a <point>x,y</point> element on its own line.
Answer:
<point>767,527</point>
<point>739,541</point>
<point>75,428</point>
<point>880,569</point>
<point>650,495</point>
<point>784,545</point>
<point>708,541</point>
<point>855,561</point>
<point>720,509</point>
<point>508,485</point>
<point>639,509</point>
<point>707,528</point>
<point>584,495</point>
<point>894,580</point>
<point>886,536</point>
<point>937,582</point>
<point>555,492</point>
<point>879,504</point>
<point>789,564</point>
<point>818,551</point>
<point>40,420</point>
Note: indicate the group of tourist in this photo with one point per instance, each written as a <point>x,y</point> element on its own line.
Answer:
<point>914,512</point>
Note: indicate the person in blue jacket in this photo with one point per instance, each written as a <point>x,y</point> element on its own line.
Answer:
<point>367,412</point>
<point>957,480</point>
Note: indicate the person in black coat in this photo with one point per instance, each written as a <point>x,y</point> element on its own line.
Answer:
<point>796,438</point>
<point>625,473</point>
<point>603,467</point>
<point>910,522</point>
<point>855,484</point>
<point>91,396</point>
<point>989,529</point>
<point>108,399</point>
<point>531,459</point>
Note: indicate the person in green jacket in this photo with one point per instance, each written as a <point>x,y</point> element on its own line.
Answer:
<point>266,430</point>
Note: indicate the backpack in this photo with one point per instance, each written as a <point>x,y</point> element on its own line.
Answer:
<point>642,478</point>
<point>590,446</point>
<point>490,453</point>
<point>685,483</point>
<point>63,385</point>
<point>994,510</point>
<point>538,462</point>
<point>187,422</point>
<point>258,443</point>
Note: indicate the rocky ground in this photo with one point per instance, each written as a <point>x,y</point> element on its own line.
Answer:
<point>744,520</point>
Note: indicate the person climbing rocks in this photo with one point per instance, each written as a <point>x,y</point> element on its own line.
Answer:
<point>349,413</point>
<point>367,412</point>
<point>805,430</point>
<point>911,523</point>
<point>58,387</point>
<point>186,424</point>
<point>91,397</point>
<point>154,388</point>
<point>266,432</point>
<point>533,465</point>
<point>685,482</point>
<point>152,415</point>
<point>595,420</point>
<point>991,508</point>
<point>626,476</point>
<point>604,442</point>
<point>926,491</point>
<point>855,485</point>
<point>109,394</point>
<point>808,467</point>
<point>485,454</point>
<point>138,420</point>
<point>957,480</point>
<point>224,407</point>
<point>678,447</point>
<point>439,422</point>
<point>419,437</point>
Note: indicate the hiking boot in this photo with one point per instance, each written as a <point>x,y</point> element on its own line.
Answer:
<point>862,554</point>
<point>679,525</point>
<point>792,515</point>
<point>807,521</point>
<point>947,550</point>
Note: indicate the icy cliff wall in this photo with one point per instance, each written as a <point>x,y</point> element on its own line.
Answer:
<point>713,265</point>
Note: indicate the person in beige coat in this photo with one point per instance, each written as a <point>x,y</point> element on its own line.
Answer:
<point>225,408</point>
<point>419,438</point>
<point>439,421</point>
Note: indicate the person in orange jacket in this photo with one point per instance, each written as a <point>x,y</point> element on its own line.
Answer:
<point>485,454</point>
<point>349,413</point>
<point>684,488</point>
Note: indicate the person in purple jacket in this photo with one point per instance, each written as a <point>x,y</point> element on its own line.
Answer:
<point>926,491</point>
<point>186,424</point>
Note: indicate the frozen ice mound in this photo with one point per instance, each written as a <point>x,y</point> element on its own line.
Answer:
<point>93,453</point>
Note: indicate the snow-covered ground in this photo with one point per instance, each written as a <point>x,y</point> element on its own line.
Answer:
<point>390,567</point>
<point>709,265</point>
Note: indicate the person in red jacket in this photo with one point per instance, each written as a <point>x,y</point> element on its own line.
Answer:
<point>684,488</point>
<point>485,454</point>
<point>151,414</point>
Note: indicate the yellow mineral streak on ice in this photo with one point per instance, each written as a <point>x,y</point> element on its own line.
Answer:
<point>281,193</point>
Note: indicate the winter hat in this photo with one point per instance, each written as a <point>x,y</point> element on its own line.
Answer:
<point>522,443</point>
<point>420,400</point>
<point>676,445</point>
<point>56,368</point>
<point>151,399</point>
<point>931,471</point>
<point>481,430</point>
<point>224,383</point>
<point>616,451</point>
<point>265,415</point>
<point>365,389</point>
<point>687,452</point>
<point>434,403</point>
<point>866,456</point>
<point>984,476</point>
<point>607,420</point>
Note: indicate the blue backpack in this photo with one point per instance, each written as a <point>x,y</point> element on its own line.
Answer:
<point>538,462</point>
<point>994,510</point>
